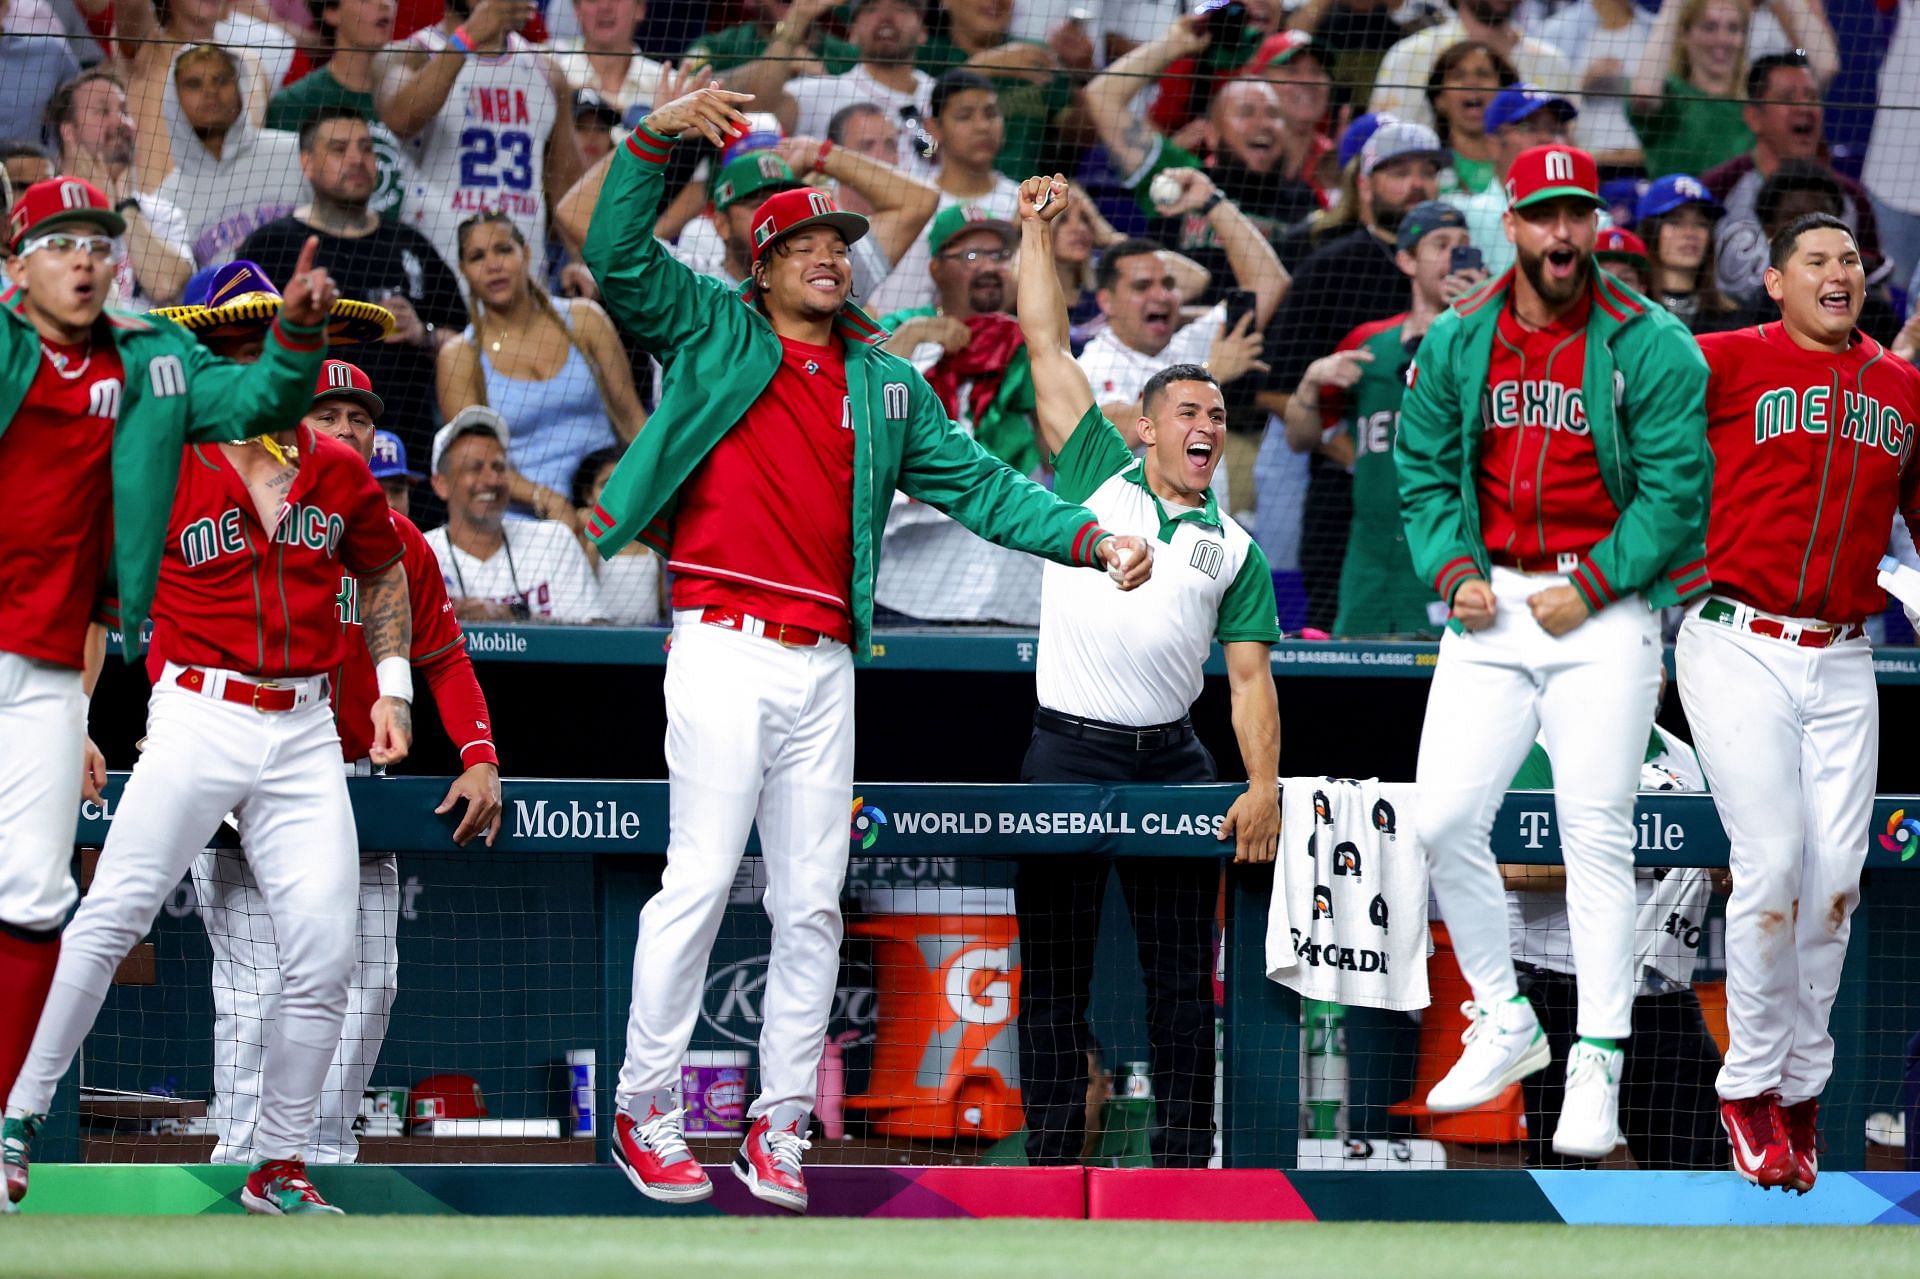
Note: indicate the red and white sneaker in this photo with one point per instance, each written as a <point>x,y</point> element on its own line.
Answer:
<point>653,1153</point>
<point>769,1159</point>
<point>279,1188</point>
<point>1758,1132</point>
<point>1803,1142</point>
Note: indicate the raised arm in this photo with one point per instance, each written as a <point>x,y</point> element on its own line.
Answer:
<point>1650,72</point>
<point>1249,253</point>
<point>564,163</point>
<point>1130,140</point>
<point>1807,28</point>
<point>902,204</point>
<point>1061,392</point>
<point>415,83</point>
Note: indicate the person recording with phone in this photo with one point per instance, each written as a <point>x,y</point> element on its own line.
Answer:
<point>1348,407</point>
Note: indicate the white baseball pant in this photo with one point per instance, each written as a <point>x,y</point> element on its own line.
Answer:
<point>1790,740</point>
<point>756,733</point>
<point>246,997</point>
<point>1592,692</point>
<point>279,773</point>
<point>43,730</point>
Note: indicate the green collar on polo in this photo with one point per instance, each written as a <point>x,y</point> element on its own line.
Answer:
<point>1207,513</point>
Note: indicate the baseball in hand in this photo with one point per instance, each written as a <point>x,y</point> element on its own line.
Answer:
<point>1122,557</point>
<point>1164,190</point>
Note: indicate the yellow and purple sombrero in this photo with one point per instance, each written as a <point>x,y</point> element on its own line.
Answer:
<point>238,300</point>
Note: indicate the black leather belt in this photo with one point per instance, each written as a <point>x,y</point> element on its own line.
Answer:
<point>1150,738</point>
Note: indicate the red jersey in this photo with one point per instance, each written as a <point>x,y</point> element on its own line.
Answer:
<point>265,602</point>
<point>439,652</point>
<point>1541,493</point>
<point>765,524</point>
<point>1812,455</point>
<point>56,471</point>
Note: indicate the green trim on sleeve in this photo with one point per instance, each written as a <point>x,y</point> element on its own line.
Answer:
<point>1248,613</point>
<point>1095,453</point>
<point>1536,771</point>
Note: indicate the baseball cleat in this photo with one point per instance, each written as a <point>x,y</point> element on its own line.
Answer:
<point>1803,1143</point>
<point>1589,1124</point>
<point>653,1153</point>
<point>16,1143</point>
<point>279,1188</point>
<point>769,1159</point>
<point>1504,1044</point>
<point>1758,1133</point>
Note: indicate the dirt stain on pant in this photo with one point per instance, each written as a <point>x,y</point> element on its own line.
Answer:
<point>1837,912</point>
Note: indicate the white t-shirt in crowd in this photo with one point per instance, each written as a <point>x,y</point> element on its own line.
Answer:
<point>1577,33</point>
<point>630,588</point>
<point>1118,373</point>
<point>541,564</point>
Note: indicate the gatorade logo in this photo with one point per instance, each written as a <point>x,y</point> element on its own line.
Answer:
<point>1346,861</point>
<point>1322,902</point>
<point>1384,820</point>
<point>1377,912</point>
<point>979,985</point>
<point>1559,166</point>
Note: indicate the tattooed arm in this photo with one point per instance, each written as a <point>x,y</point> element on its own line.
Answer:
<point>1129,139</point>
<point>388,620</point>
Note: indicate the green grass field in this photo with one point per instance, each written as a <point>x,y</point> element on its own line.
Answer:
<point>580,1248</point>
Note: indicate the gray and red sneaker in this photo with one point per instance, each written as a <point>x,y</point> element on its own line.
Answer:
<point>1758,1133</point>
<point>649,1147</point>
<point>769,1159</point>
<point>1803,1141</point>
<point>17,1133</point>
<point>279,1188</point>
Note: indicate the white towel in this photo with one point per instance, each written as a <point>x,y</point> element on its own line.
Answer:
<point>1348,921</point>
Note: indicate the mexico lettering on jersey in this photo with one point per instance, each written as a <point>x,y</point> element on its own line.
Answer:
<point>439,652</point>
<point>239,596</point>
<point>1812,455</point>
<point>486,148</point>
<point>1541,492</point>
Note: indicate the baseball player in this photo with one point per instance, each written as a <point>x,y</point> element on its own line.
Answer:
<point>764,477</point>
<point>94,409</point>
<point>1553,471</point>
<point>245,640</point>
<point>246,957</point>
<point>1811,426</point>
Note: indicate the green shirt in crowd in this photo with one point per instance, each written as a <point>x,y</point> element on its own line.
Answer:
<point>737,46</point>
<point>1688,132</point>
<point>1466,175</point>
<point>1028,108</point>
<point>306,97</point>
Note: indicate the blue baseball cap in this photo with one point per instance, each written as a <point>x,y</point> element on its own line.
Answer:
<point>1423,219</point>
<point>1518,101</point>
<point>1664,195</point>
<point>389,460</point>
<point>1623,198</point>
<point>1362,128</point>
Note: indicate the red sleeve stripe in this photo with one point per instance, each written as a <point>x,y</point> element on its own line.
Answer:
<point>1694,585</point>
<point>1587,592</point>
<point>1697,568</point>
<point>1452,573</point>
<point>1079,539</point>
<point>1599,580</point>
<point>649,146</point>
<point>652,540</point>
<point>299,337</point>
<point>600,514</point>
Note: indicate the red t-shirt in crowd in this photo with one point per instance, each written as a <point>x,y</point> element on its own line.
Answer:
<point>439,654</point>
<point>1812,454</point>
<point>765,524</point>
<point>237,596</point>
<point>1541,494</point>
<point>56,472</point>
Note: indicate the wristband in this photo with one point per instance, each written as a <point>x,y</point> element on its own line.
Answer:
<point>460,41</point>
<point>820,156</point>
<point>129,203</point>
<point>1212,201</point>
<point>394,675</point>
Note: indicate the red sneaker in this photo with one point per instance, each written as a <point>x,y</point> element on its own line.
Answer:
<point>279,1188</point>
<point>769,1159</point>
<point>1758,1132</point>
<point>653,1153</point>
<point>1803,1142</point>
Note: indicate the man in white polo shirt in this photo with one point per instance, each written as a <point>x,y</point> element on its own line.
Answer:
<point>1114,687</point>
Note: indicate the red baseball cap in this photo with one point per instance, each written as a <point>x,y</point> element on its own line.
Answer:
<point>1277,50</point>
<point>1618,242</point>
<point>1553,172</point>
<point>342,381</point>
<point>788,211</point>
<point>57,201</point>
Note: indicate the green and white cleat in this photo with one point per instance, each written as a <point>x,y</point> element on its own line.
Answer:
<point>279,1188</point>
<point>17,1132</point>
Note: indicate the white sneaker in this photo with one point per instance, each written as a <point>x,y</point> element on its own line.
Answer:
<point>1504,1044</point>
<point>1589,1126</point>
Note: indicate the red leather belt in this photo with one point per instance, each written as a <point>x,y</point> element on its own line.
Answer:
<point>265,696</point>
<point>1564,563</point>
<point>780,632</point>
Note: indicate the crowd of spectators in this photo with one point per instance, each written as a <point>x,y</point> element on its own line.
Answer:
<point>1244,175</point>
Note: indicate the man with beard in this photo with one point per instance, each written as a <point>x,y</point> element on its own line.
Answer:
<point>1554,524</point>
<point>1400,86</point>
<point>1350,281</point>
<point>384,262</point>
<point>357,30</point>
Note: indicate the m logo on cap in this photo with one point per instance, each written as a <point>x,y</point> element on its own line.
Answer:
<point>73,195</point>
<point>818,203</point>
<point>770,165</point>
<point>339,376</point>
<point>1559,166</point>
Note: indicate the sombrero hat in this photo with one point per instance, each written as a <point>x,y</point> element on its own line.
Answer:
<point>238,300</point>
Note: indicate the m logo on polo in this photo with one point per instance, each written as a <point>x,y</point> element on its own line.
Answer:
<point>103,398</point>
<point>167,376</point>
<point>893,398</point>
<point>1208,557</point>
<point>1559,166</point>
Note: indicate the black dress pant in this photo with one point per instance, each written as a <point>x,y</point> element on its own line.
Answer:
<point>1669,1111</point>
<point>1171,901</point>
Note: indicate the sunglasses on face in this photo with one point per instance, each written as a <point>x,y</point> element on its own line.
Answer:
<point>61,244</point>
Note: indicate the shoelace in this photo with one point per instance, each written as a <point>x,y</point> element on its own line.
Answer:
<point>1759,1118</point>
<point>1586,1067</point>
<point>662,1135</point>
<point>786,1148</point>
<point>1479,1022</point>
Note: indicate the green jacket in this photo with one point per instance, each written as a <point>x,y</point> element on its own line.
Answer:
<point>720,353</point>
<point>1649,435</point>
<point>175,392</point>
